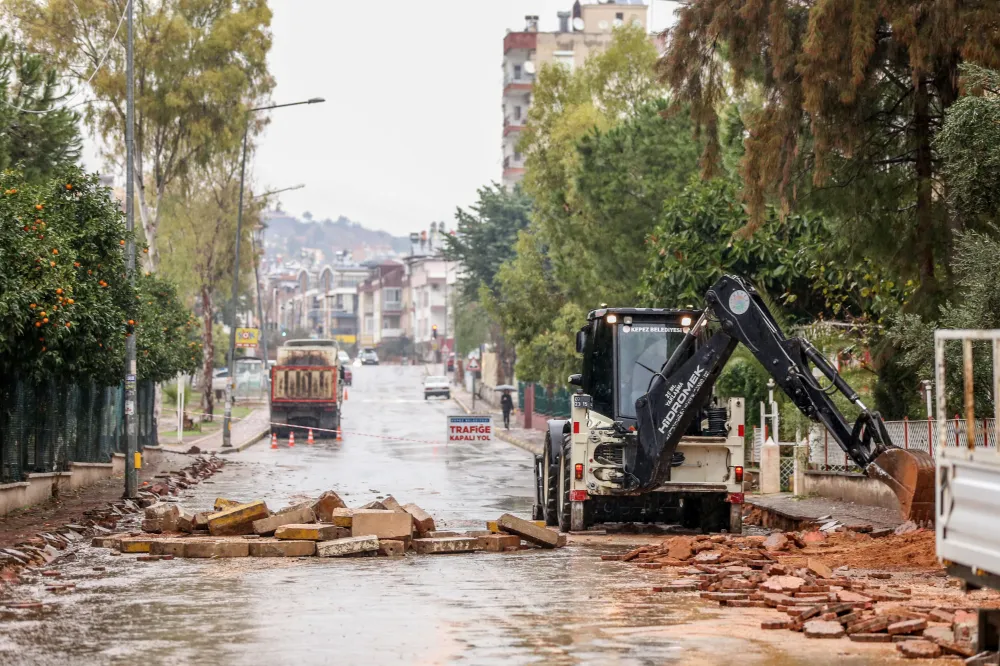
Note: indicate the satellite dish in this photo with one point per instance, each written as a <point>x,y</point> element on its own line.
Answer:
<point>578,24</point>
<point>529,67</point>
<point>603,25</point>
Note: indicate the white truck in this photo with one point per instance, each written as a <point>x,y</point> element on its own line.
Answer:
<point>968,480</point>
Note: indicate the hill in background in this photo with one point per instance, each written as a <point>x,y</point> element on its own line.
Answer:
<point>288,236</point>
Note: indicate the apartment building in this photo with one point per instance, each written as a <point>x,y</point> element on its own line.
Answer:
<point>584,29</point>
<point>380,303</point>
<point>428,304</point>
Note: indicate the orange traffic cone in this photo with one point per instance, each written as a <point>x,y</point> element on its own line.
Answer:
<point>309,440</point>
<point>274,440</point>
<point>291,439</point>
<point>345,395</point>
<point>339,437</point>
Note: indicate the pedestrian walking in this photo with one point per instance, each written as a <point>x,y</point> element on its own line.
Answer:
<point>507,405</point>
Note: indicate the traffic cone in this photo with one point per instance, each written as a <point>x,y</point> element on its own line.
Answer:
<point>291,439</point>
<point>339,438</point>
<point>274,440</point>
<point>309,440</point>
<point>345,395</point>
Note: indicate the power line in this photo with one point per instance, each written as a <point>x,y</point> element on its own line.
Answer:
<point>100,63</point>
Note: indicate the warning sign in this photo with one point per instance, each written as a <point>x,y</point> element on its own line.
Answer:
<point>473,365</point>
<point>470,429</point>
<point>247,337</point>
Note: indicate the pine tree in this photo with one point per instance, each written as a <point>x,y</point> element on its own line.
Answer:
<point>850,98</point>
<point>36,134</point>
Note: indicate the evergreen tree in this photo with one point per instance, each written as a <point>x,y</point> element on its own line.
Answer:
<point>852,95</point>
<point>35,134</point>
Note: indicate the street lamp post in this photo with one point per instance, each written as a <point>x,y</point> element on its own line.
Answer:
<point>231,384</point>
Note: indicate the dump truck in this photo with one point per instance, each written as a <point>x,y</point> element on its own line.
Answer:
<point>647,441</point>
<point>306,387</point>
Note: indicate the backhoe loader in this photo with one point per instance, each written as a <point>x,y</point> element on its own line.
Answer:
<point>646,441</point>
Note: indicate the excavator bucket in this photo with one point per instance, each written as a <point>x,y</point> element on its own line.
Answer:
<point>910,475</point>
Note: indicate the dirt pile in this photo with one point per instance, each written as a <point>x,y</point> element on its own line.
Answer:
<point>811,580</point>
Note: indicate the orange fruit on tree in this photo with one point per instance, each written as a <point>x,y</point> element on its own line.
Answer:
<point>55,251</point>
<point>131,322</point>
<point>38,324</point>
<point>121,242</point>
<point>59,290</point>
<point>45,320</point>
<point>52,264</point>
<point>44,313</point>
<point>69,186</point>
<point>70,301</point>
<point>67,324</point>
<point>32,306</point>
<point>39,206</point>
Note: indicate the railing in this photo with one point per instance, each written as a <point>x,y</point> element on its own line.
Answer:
<point>916,435</point>
<point>45,427</point>
<point>550,402</point>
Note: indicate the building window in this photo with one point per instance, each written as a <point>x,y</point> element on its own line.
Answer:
<point>517,113</point>
<point>392,295</point>
<point>564,58</point>
<point>517,72</point>
<point>369,323</point>
<point>517,156</point>
<point>619,16</point>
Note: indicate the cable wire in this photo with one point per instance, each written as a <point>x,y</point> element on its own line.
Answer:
<point>100,63</point>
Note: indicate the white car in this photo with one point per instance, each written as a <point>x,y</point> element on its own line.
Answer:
<point>343,357</point>
<point>436,385</point>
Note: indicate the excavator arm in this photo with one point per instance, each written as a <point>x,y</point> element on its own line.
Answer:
<point>684,384</point>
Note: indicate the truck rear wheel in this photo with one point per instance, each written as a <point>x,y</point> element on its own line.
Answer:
<point>550,488</point>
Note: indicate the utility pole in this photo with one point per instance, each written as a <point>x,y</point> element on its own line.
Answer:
<point>231,384</point>
<point>131,434</point>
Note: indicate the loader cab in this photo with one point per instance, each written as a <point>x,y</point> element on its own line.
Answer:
<point>622,350</point>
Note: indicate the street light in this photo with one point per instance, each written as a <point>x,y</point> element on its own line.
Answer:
<point>231,385</point>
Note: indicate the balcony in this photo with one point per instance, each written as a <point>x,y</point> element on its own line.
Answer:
<point>392,306</point>
<point>520,40</point>
<point>510,125</point>
<point>392,333</point>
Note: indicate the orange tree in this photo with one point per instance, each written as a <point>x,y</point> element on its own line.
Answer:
<point>168,336</point>
<point>66,307</point>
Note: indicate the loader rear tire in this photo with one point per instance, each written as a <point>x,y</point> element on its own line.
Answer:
<point>565,506</point>
<point>551,488</point>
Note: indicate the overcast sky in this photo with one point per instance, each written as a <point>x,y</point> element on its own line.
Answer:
<point>412,121</point>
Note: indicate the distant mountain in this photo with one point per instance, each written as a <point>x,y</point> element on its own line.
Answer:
<point>288,236</point>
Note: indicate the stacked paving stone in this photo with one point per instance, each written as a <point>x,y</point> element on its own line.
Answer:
<point>759,572</point>
<point>324,527</point>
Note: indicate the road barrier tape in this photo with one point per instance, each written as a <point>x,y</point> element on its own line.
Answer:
<point>334,431</point>
<point>329,430</point>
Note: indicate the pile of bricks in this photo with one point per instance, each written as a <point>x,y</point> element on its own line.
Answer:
<point>759,572</point>
<point>325,527</point>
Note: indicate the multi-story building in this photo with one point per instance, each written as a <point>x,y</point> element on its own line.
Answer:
<point>581,31</point>
<point>338,290</point>
<point>428,303</point>
<point>380,303</point>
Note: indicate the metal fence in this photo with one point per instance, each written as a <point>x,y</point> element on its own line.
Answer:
<point>552,402</point>
<point>45,427</point>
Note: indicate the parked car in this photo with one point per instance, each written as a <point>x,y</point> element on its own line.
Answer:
<point>436,385</point>
<point>220,379</point>
<point>343,357</point>
<point>368,356</point>
<point>451,363</point>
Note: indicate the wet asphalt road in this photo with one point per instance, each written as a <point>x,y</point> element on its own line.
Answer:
<point>532,606</point>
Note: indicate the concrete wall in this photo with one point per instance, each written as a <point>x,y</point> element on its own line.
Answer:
<point>855,488</point>
<point>40,487</point>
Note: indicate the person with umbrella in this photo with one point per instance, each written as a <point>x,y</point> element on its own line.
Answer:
<point>506,404</point>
